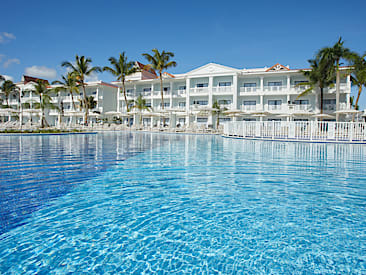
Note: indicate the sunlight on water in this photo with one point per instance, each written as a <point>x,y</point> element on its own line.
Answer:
<point>140,202</point>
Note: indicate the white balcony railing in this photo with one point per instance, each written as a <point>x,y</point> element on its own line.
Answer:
<point>224,89</point>
<point>274,88</point>
<point>301,107</point>
<point>249,107</point>
<point>301,88</point>
<point>248,89</point>
<point>274,107</point>
<point>203,90</point>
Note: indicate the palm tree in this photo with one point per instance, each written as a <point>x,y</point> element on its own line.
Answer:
<point>319,76</point>
<point>140,104</point>
<point>358,76</point>
<point>88,104</point>
<point>81,69</point>
<point>8,87</point>
<point>218,111</point>
<point>68,84</point>
<point>120,69</point>
<point>160,62</point>
<point>45,100</point>
<point>334,55</point>
<point>2,78</point>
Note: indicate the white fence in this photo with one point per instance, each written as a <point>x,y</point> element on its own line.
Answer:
<point>298,130</point>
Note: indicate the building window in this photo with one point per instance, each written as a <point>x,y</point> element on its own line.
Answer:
<point>201,119</point>
<point>147,89</point>
<point>300,81</point>
<point>224,84</point>
<point>250,84</point>
<point>274,102</point>
<point>182,104</point>
<point>223,119</point>
<point>301,102</point>
<point>200,102</point>
<point>224,102</point>
<point>182,88</point>
<point>329,101</point>
<point>129,91</point>
<point>94,92</point>
<point>166,89</point>
<point>166,104</point>
<point>250,102</point>
<point>201,85</point>
<point>275,83</point>
<point>148,104</point>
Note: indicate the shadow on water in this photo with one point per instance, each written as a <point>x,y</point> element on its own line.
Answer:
<point>38,168</point>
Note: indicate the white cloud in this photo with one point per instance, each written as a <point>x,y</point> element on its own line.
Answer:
<point>41,71</point>
<point>8,77</point>
<point>92,77</point>
<point>6,37</point>
<point>10,61</point>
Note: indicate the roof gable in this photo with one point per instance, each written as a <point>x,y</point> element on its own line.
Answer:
<point>278,67</point>
<point>212,68</point>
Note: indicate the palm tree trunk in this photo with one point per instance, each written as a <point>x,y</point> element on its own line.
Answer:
<point>321,100</point>
<point>86,105</point>
<point>217,122</point>
<point>358,97</point>
<point>72,100</point>
<point>162,95</point>
<point>337,89</point>
<point>125,96</point>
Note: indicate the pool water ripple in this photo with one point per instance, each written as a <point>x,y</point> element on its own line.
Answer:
<point>204,205</point>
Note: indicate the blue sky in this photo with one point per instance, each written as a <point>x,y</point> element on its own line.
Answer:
<point>37,36</point>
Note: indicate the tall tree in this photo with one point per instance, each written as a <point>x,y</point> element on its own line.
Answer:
<point>8,87</point>
<point>159,61</point>
<point>2,78</point>
<point>120,69</point>
<point>320,75</point>
<point>88,104</point>
<point>217,111</point>
<point>68,84</point>
<point>45,100</point>
<point>81,69</point>
<point>334,55</point>
<point>358,74</point>
<point>140,104</point>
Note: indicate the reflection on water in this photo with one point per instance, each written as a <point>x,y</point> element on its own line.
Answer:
<point>153,202</point>
<point>37,168</point>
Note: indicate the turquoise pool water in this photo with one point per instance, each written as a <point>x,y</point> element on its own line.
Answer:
<point>144,203</point>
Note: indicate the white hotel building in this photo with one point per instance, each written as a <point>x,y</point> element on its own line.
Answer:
<point>261,94</point>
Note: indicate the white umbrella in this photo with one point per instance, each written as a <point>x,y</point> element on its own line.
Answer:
<point>349,111</point>
<point>323,116</point>
<point>113,113</point>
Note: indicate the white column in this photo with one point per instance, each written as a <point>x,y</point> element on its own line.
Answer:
<point>261,83</point>
<point>171,94</point>
<point>188,86</point>
<point>288,83</point>
<point>261,102</point>
<point>235,92</point>
<point>210,98</point>
<point>348,92</point>
<point>118,98</point>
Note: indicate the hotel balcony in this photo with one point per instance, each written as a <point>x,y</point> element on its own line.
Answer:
<point>199,91</point>
<point>249,108</point>
<point>300,107</point>
<point>222,90</point>
<point>280,107</point>
<point>274,88</point>
<point>248,89</point>
<point>179,93</point>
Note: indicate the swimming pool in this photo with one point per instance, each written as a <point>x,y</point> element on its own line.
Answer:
<point>165,203</point>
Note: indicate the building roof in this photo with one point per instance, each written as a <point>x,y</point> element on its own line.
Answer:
<point>27,79</point>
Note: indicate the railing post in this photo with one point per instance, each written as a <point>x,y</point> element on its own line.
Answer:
<point>331,130</point>
<point>273,129</point>
<point>351,131</point>
<point>311,130</point>
<point>291,129</point>
<point>257,129</point>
